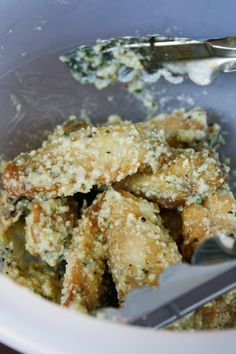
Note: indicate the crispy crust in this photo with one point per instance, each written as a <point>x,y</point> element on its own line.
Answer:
<point>126,231</point>
<point>138,246</point>
<point>49,228</point>
<point>189,174</point>
<point>82,286</point>
<point>11,209</point>
<point>26,271</point>
<point>218,314</point>
<point>181,127</point>
<point>81,159</point>
<point>216,215</point>
<point>71,125</point>
<point>36,276</point>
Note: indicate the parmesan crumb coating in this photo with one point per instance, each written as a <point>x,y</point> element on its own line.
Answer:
<point>38,277</point>
<point>217,314</point>
<point>82,286</point>
<point>216,215</point>
<point>125,230</point>
<point>49,228</point>
<point>138,247</point>
<point>181,126</point>
<point>78,160</point>
<point>71,125</point>
<point>33,274</point>
<point>182,129</point>
<point>11,209</point>
<point>187,176</point>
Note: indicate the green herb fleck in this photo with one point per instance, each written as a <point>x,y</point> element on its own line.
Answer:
<point>198,200</point>
<point>109,225</point>
<point>138,90</point>
<point>66,133</point>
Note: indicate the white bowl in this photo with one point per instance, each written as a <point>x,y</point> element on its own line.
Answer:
<point>35,326</point>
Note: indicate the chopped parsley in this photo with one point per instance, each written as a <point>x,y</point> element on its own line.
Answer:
<point>66,133</point>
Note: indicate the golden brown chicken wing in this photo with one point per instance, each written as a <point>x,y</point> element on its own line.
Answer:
<point>216,215</point>
<point>36,276</point>
<point>26,271</point>
<point>71,125</point>
<point>82,286</point>
<point>217,314</point>
<point>11,209</point>
<point>49,228</point>
<point>126,231</point>
<point>181,127</point>
<point>138,247</point>
<point>78,160</point>
<point>187,176</point>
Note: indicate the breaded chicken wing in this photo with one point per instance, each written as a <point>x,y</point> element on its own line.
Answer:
<point>126,231</point>
<point>71,125</point>
<point>36,276</point>
<point>188,175</point>
<point>181,126</point>
<point>187,129</point>
<point>33,274</point>
<point>216,215</point>
<point>49,228</point>
<point>11,209</point>
<point>78,160</point>
<point>138,246</point>
<point>182,129</point>
<point>82,286</point>
<point>217,314</point>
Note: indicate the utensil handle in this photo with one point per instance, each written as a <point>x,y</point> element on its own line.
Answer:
<point>190,301</point>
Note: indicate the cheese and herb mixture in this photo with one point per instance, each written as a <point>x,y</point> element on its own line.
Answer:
<point>100,210</point>
<point>130,60</point>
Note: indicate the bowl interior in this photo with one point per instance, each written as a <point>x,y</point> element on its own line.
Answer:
<point>37,91</point>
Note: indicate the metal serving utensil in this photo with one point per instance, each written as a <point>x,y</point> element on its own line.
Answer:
<point>148,58</point>
<point>183,287</point>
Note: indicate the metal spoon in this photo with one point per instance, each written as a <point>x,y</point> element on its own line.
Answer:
<point>148,58</point>
<point>182,288</point>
